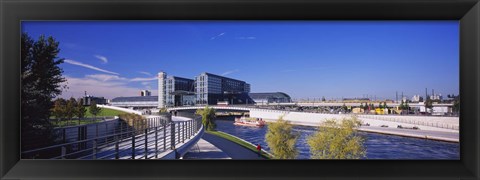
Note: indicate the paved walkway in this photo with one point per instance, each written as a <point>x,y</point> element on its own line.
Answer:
<point>205,150</point>
<point>232,149</point>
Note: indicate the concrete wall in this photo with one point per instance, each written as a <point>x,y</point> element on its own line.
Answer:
<point>299,117</point>
<point>120,109</point>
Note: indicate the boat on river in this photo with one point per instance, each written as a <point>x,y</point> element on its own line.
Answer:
<point>252,122</point>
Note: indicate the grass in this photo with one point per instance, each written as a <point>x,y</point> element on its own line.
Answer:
<point>74,122</point>
<point>103,113</point>
<point>238,141</point>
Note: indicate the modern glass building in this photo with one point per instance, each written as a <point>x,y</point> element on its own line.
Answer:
<point>211,89</point>
<point>179,91</point>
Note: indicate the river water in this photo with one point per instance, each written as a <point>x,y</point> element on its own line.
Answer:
<point>378,146</point>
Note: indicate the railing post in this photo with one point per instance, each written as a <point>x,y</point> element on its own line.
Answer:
<point>116,148</point>
<point>156,142</point>
<point>64,151</point>
<point>146,143</point>
<point>95,149</point>
<point>172,135</point>
<point>165,136</point>
<point>183,132</point>
<point>179,132</point>
<point>133,140</point>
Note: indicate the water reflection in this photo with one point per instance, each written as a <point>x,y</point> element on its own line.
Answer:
<point>378,146</point>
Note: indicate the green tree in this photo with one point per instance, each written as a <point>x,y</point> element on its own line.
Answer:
<point>281,139</point>
<point>81,110</point>
<point>41,81</point>
<point>380,105</point>
<point>208,117</point>
<point>94,110</point>
<point>163,110</point>
<point>385,105</point>
<point>70,109</point>
<point>58,109</point>
<point>361,105</point>
<point>323,99</point>
<point>456,105</point>
<point>337,141</point>
<point>429,105</point>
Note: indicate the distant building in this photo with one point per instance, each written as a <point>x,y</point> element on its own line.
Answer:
<point>211,89</point>
<point>356,100</point>
<point>87,100</point>
<point>162,77</point>
<point>270,97</point>
<point>145,93</point>
<point>436,97</point>
<point>416,98</point>
<point>135,102</point>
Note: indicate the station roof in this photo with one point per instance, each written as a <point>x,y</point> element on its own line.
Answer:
<point>268,95</point>
<point>135,99</point>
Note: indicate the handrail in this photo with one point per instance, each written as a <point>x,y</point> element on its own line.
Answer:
<point>154,134</point>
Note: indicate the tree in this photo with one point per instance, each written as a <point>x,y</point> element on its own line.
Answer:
<point>344,107</point>
<point>380,105</point>
<point>281,139</point>
<point>41,81</point>
<point>385,105</point>
<point>163,110</point>
<point>94,110</point>
<point>429,105</point>
<point>208,117</point>
<point>58,109</point>
<point>337,141</point>
<point>323,99</point>
<point>81,110</point>
<point>361,105</point>
<point>70,109</point>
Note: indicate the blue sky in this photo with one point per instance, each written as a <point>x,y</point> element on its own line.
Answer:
<point>302,58</point>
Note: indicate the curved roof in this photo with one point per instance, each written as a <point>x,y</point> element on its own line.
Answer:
<point>135,99</point>
<point>268,95</point>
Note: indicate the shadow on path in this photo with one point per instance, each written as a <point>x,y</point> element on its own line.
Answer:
<point>232,149</point>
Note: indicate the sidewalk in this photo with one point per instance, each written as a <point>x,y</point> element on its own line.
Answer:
<point>232,149</point>
<point>205,150</point>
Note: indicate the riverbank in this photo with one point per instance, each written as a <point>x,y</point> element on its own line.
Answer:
<point>391,128</point>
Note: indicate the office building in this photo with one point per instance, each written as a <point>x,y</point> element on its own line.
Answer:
<point>211,89</point>
<point>179,91</point>
<point>162,77</point>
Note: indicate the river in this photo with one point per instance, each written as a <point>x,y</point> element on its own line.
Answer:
<point>378,146</point>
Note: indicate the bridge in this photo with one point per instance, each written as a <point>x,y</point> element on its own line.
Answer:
<point>160,137</point>
<point>432,127</point>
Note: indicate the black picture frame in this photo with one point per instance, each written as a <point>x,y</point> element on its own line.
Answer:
<point>13,12</point>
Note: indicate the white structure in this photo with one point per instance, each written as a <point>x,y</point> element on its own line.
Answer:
<point>436,97</point>
<point>145,93</point>
<point>162,76</point>
<point>416,98</point>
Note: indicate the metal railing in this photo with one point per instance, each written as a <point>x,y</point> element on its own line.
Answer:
<point>408,121</point>
<point>139,139</point>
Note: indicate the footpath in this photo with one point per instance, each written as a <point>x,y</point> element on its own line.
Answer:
<point>210,145</point>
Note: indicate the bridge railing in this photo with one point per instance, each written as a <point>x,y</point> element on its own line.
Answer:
<point>138,140</point>
<point>401,119</point>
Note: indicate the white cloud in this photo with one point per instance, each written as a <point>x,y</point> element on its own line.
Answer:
<point>146,73</point>
<point>69,61</point>
<point>247,38</point>
<point>102,58</point>
<point>96,87</point>
<point>217,36</point>
<point>143,79</point>
<point>229,72</point>
<point>106,77</point>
